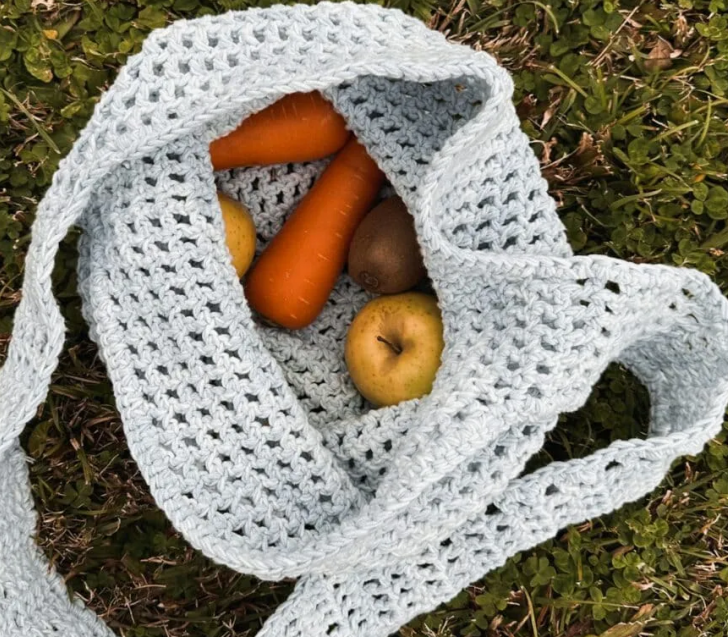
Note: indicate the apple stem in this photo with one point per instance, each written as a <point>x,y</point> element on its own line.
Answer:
<point>397,349</point>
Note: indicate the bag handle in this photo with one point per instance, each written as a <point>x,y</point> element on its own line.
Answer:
<point>531,510</point>
<point>38,330</point>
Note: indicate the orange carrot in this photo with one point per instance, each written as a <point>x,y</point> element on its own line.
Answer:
<point>293,277</point>
<point>298,127</point>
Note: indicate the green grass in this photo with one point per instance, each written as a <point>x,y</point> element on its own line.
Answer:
<point>626,103</point>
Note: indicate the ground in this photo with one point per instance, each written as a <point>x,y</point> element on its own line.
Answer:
<point>626,105</point>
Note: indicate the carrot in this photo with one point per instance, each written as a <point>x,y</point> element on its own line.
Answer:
<point>298,127</point>
<point>293,277</point>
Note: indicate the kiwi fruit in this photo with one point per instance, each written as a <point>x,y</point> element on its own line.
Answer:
<point>384,255</point>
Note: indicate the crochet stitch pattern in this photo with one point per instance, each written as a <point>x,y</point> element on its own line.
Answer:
<point>254,441</point>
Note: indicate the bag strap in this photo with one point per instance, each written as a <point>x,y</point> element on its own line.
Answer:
<point>38,330</point>
<point>531,510</point>
<point>38,327</point>
<point>34,599</point>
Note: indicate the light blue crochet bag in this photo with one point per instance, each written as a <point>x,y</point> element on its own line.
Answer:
<point>254,441</point>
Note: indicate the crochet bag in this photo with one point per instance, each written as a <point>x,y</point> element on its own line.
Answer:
<point>253,440</point>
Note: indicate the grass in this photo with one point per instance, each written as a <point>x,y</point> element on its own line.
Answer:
<point>626,103</point>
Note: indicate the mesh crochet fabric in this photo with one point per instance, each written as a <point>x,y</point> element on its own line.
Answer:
<point>254,441</point>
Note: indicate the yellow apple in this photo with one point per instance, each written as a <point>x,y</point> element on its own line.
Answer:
<point>393,347</point>
<point>239,233</point>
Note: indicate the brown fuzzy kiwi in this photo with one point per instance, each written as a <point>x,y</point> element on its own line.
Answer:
<point>384,255</point>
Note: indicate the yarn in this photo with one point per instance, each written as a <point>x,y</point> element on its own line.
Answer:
<point>254,441</point>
